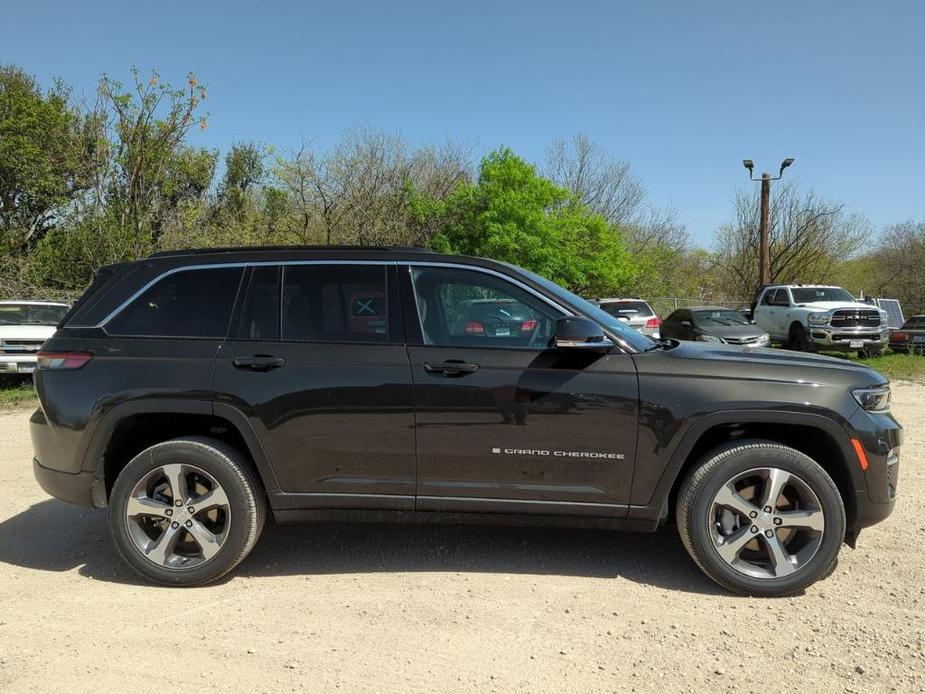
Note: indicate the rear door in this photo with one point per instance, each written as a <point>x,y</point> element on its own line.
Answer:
<point>319,368</point>
<point>503,423</point>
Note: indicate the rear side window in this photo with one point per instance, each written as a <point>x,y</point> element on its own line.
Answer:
<point>335,303</point>
<point>260,314</point>
<point>188,303</point>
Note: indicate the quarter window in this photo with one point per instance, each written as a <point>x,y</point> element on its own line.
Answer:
<point>188,303</point>
<point>465,308</point>
<point>335,303</point>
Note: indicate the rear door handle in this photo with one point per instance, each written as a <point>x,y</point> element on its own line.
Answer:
<point>259,362</point>
<point>452,367</point>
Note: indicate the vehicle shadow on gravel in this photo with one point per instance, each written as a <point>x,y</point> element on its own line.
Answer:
<point>54,536</point>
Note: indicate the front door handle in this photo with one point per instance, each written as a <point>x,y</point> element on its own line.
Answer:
<point>452,367</point>
<point>259,362</point>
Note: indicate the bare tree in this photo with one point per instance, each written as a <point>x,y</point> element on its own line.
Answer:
<point>358,192</point>
<point>608,186</point>
<point>809,237</point>
<point>897,265</point>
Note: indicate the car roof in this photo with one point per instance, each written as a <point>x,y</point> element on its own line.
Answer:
<point>711,308</point>
<point>620,298</point>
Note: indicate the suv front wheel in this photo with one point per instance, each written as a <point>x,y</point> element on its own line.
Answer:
<point>761,518</point>
<point>185,512</point>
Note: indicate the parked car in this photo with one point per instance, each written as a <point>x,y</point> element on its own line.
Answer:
<point>194,392</point>
<point>910,337</point>
<point>714,324</point>
<point>499,317</point>
<point>816,317</point>
<point>24,326</point>
<point>635,312</point>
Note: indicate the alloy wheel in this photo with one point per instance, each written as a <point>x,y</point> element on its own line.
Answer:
<point>766,523</point>
<point>178,516</point>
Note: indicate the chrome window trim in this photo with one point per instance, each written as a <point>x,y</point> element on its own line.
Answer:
<point>246,264</point>
<point>334,261</point>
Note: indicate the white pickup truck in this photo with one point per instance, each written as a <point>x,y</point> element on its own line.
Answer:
<point>24,326</point>
<point>817,317</point>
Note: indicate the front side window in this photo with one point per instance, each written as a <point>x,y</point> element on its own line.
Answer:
<point>335,303</point>
<point>473,309</point>
<point>188,303</point>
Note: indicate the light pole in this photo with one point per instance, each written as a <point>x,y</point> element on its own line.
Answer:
<point>764,251</point>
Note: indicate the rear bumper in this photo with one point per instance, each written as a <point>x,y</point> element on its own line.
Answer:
<point>76,488</point>
<point>848,338</point>
<point>17,364</point>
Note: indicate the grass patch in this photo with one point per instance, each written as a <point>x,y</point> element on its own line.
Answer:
<point>18,396</point>
<point>896,367</point>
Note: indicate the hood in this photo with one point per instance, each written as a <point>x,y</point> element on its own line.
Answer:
<point>778,364</point>
<point>832,305</point>
<point>26,332</point>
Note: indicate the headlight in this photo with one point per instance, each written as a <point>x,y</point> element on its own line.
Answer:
<point>764,340</point>
<point>820,318</point>
<point>709,338</point>
<point>876,399</point>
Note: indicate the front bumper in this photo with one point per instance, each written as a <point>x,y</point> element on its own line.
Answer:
<point>17,363</point>
<point>846,339</point>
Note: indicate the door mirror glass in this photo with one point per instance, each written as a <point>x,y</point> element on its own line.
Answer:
<point>577,332</point>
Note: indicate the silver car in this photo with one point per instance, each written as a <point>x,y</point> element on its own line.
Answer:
<point>636,312</point>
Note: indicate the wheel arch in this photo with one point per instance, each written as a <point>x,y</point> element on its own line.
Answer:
<point>821,438</point>
<point>128,429</point>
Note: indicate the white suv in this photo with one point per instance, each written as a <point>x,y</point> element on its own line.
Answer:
<point>636,312</point>
<point>807,317</point>
<point>24,326</point>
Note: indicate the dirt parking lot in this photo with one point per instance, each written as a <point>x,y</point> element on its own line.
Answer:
<point>386,608</point>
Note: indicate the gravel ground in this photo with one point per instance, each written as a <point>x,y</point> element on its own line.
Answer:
<point>387,608</point>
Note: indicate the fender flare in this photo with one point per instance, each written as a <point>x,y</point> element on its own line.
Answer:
<point>113,417</point>
<point>839,431</point>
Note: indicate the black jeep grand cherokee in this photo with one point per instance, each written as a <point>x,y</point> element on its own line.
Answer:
<point>191,392</point>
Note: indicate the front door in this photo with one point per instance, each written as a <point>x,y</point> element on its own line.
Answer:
<point>318,365</point>
<point>503,423</point>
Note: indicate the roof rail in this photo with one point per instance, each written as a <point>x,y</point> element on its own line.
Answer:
<point>267,249</point>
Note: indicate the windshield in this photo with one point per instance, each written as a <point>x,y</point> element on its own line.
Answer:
<point>810,295</point>
<point>720,317</point>
<point>635,339</point>
<point>31,314</point>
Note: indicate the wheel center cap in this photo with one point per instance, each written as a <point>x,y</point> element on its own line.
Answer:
<point>765,521</point>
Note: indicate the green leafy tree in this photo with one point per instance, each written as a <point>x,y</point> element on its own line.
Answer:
<point>40,151</point>
<point>513,214</point>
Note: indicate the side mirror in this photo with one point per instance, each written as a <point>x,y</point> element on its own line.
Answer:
<point>685,324</point>
<point>577,332</point>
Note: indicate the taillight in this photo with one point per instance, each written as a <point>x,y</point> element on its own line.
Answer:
<point>654,322</point>
<point>900,337</point>
<point>473,326</point>
<point>528,326</point>
<point>62,360</point>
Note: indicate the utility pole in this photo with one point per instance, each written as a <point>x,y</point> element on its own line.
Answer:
<point>764,250</point>
<point>764,246</point>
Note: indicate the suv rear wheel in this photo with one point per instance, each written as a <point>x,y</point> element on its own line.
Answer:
<point>185,512</point>
<point>760,518</point>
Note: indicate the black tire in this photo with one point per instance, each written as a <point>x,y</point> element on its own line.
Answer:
<point>696,526</point>
<point>246,503</point>
<point>798,340</point>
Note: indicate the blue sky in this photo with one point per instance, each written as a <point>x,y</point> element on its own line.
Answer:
<point>683,90</point>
